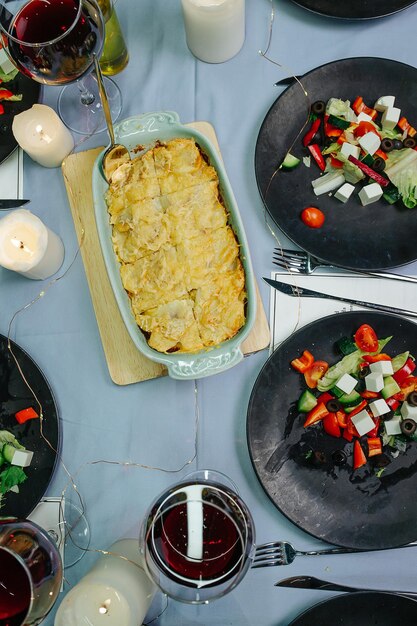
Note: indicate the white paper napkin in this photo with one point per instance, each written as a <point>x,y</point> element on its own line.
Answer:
<point>11,176</point>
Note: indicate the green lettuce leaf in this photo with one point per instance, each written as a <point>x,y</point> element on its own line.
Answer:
<point>401,169</point>
<point>340,108</point>
<point>11,476</point>
<point>6,437</point>
<point>348,365</point>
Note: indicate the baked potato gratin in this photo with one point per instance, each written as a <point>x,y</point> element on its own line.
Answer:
<point>179,258</point>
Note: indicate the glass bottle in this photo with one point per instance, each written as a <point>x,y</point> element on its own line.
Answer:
<point>115,56</point>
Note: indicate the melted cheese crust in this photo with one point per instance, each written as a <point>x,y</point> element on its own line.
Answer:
<point>179,258</point>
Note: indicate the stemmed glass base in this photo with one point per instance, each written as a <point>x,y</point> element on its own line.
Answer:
<point>75,533</point>
<point>80,108</point>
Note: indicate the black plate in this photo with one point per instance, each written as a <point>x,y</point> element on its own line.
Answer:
<point>371,513</point>
<point>373,237</point>
<point>355,9</point>
<point>14,396</point>
<point>361,609</point>
<point>30,91</point>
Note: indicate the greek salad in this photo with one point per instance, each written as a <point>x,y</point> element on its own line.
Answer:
<point>360,150</point>
<point>368,398</point>
<point>8,73</point>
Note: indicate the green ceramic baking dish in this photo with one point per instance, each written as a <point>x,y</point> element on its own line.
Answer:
<point>144,130</point>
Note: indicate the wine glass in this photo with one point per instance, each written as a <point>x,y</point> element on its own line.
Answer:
<point>53,42</point>
<point>30,573</point>
<point>198,538</point>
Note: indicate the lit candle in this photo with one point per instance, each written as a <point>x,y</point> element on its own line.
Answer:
<point>28,247</point>
<point>215,29</point>
<point>115,592</point>
<point>42,135</point>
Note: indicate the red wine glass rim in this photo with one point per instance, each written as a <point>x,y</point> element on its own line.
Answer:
<point>39,43</point>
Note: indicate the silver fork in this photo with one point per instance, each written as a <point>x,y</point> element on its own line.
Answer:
<point>284,553</point>
<point>303,263</point>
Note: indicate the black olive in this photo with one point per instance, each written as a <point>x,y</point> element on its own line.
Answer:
<point>398,145</point>
<point>408,427</point>
<point>379,164</point>
<point>387,416</point>
<point>364,371</point>
<point>318,107</point>
<point>409,142</point>
<point>339,457</point>
<point>333,405</point>
<point>387,145</point>
<point>412,398</point>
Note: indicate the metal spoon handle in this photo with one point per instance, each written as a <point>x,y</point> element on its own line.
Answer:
<point>104,100</point>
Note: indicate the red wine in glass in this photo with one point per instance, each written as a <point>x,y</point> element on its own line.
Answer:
<point>56,40</point>
<point>15,590</point>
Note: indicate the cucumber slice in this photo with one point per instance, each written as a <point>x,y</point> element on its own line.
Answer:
<point>391,387</point>
<point>346,345</point>
<point>306,402</point>
<point>350,399</point>
<point>290,162</point>
<point>8,452</point>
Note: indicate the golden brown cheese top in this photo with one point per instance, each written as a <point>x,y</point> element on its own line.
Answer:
<point>179,258</point>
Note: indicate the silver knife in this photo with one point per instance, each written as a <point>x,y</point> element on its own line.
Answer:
<point>295,290</point>
<point>309,582</point>
<point>5,205</point>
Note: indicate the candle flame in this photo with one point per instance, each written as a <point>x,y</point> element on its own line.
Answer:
<point>43,136</point>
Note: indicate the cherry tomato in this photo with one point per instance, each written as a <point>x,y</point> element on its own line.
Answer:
<point>366,339</point>
<point>315,372</point>
<point>365,127</point>
<point>312,217</point>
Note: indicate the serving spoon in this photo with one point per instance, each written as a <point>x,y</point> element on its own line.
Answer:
<point>116,154</point>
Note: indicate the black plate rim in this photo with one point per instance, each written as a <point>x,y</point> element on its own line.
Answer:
<point>264,367</point>
<point>341,16</point>
<point>367,596</point>
<point>57,454</point>
<point>264,121</point>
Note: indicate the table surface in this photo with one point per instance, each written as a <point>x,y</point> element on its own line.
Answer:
<point>152,423</point>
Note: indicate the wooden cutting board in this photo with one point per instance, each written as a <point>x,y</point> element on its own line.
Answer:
<point>126,364</point>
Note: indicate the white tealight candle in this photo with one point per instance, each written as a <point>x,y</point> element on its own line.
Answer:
<point>115,592</point>
<point>215,29</point>
<point>28,247</point>
<point>42,135</point>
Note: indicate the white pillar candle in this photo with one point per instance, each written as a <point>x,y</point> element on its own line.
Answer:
<point>42,135</point>
<point>215,29</point>
<point>114,593</point>
<point>28,247</point>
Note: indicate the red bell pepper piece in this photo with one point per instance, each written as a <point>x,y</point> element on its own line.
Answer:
<point>360,107</point>
<point>406,127</point>
<point>304,362</point>
<point>359,457</point>
<point>315,151</point>
<point>374,358</point>
<point>316,414</point>
<point>381,154</point>
<point>26,414</point>
<point>331,425</point>
<point>347,434</point>
<point>374,446</point>
<point>407,386</point>
<point>369,172</point>
<point>404,372</point>
<point>358,408</point>
<point>325,397</point>
<point>392,403</point>
<point>342,419</point>
<point>309,136</point>
<point>369,394</point>
<point>1,109</point>
<point>5,94</point>
<point>330,130</point>
<point>335,162</point>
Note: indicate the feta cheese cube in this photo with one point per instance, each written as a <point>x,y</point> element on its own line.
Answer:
<point>374,381</point>
<point>343,194</point>
<point>22,458</point>
<point>384,102</point>
<point>346,383</point>
<point>370,142</point>
<point>348,149</point>
<point>408,411</point>
<point>370,193</point>
<point>390,118</point>
<point>363,422</point>
<point>393,426</point>
<point>382,367</point>
<point>379,407</point>
<point>363,117</point>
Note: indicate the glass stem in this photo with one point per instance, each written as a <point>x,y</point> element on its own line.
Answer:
<point>87,97</point>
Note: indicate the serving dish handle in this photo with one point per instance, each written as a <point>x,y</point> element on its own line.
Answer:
<point>205,365</point>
